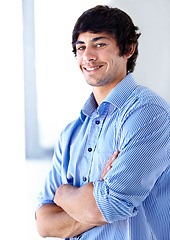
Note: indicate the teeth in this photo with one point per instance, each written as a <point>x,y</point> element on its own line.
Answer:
<point>91,69</point>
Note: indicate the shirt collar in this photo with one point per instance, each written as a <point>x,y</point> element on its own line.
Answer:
<point>122,91</point>
<point>116,97</point>
<point>89,107</point>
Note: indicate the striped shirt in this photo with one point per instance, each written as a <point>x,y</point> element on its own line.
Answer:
<point>133,198</point>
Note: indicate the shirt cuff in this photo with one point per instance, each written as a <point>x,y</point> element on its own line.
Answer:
<point>112,207</point>
<point>43,202</point>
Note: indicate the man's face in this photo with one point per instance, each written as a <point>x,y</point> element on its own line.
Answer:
<point>99,60</point>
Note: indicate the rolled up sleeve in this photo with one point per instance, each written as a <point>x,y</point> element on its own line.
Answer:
<point>52,181</point>
<point>111,207</point>
<point>144,155</point>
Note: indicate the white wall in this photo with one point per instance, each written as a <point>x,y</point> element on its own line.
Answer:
<point>153,19</point>
<point>12,157</point>
<point>152,16</point>
<point>56,69</point>
<point>152,70</point>
<point>61,88</point>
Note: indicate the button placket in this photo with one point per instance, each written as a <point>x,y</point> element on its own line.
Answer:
<point>93,136</point>
<point>97,122</point>
<point>90,149</point>
<point>84,179</point>
<point>92,141</point>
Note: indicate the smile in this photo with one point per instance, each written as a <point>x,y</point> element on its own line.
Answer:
<point>89,69</point>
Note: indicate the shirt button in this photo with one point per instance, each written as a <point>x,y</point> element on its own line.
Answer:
<point>89,149</point>
<point>97,122</point>
<point>84,179</point>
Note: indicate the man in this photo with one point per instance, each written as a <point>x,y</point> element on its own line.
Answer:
<point>87,196</point>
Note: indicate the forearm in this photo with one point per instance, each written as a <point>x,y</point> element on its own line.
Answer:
<point>79,203</point>
<point>52,221</point>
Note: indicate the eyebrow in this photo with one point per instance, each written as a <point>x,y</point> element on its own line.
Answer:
<point>93,40</point>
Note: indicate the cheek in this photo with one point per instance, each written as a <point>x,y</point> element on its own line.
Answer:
<point>79,62</point>
<point>111,63</point>
<point>115,61</point>
<point>110,58</point>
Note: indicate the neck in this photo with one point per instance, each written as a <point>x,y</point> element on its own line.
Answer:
<point>101,92</point>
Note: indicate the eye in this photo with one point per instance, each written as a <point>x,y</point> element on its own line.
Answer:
<point>99,45</point>
<point>80,48</point>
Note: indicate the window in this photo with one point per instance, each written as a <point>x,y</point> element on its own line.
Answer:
<point>55,89</point>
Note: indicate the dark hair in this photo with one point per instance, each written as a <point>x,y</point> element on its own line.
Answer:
<point>113,21</point>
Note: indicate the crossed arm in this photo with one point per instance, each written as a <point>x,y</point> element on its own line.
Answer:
<point>75,211</point>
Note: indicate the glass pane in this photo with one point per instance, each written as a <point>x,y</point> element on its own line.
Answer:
<point>61,88</point>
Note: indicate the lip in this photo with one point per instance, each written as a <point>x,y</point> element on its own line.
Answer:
<point>92,68</point>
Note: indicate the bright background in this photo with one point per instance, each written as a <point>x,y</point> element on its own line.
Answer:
<point>55,74</point>
<point>60,83</point>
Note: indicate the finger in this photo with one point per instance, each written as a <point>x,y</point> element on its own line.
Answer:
<point>113,157</point>
<point>104,173</point>
<point>108,164</point>
<point>106,169</point>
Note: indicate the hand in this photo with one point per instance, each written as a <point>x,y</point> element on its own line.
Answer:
<point>108,165</point>
<point>71,199</point>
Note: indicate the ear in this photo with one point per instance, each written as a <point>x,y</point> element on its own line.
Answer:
<point>129,54</point>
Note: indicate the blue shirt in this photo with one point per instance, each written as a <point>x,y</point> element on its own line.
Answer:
<point>133,198</point>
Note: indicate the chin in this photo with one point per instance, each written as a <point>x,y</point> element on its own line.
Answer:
<point>100,82</point>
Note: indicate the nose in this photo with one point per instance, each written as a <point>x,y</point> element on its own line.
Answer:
<point>89,55</point>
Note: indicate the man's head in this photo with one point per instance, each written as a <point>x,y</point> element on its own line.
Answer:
<point>113,21</point>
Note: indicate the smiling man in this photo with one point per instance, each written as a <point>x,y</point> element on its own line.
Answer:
<point>99,59</point>
<point>109,178</point>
